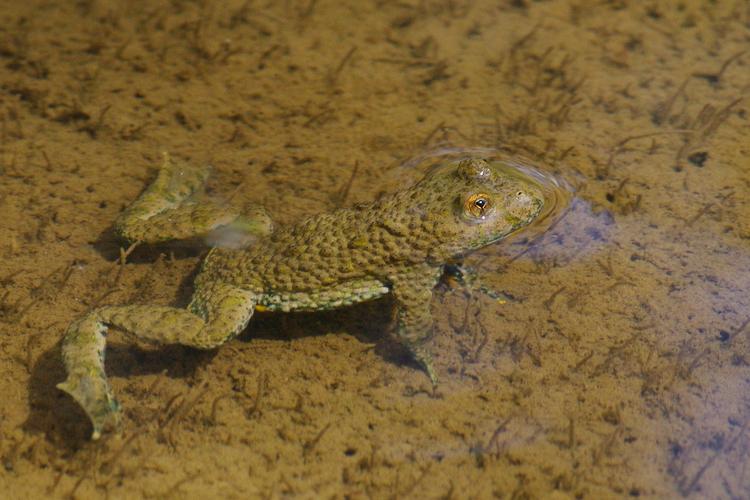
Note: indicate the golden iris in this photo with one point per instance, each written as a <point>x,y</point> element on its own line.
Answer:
<point>477,205</point>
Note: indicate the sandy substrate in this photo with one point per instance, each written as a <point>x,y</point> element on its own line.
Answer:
<point>619,367</point>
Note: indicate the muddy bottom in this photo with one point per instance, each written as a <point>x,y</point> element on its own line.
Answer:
<point>616,363</point>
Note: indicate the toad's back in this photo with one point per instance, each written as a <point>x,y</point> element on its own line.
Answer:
<point>422,226</point>
<point>371,241</point>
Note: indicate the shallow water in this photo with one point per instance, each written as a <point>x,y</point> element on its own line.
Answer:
<point>615,363</point>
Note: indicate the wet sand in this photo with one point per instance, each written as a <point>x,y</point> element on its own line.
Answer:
<point>617,367</point>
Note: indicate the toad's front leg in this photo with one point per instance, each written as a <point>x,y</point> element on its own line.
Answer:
<point>469,279</point>
<point>412,290</point>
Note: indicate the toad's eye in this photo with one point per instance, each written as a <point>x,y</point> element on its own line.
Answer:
<point>477,205</point>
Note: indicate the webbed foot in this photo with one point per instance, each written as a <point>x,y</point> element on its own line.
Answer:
<point>93,393</point>
<point>83,356</point>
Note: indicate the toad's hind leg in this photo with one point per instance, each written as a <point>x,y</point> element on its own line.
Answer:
<point>216,314</point>
<point>169,209</point>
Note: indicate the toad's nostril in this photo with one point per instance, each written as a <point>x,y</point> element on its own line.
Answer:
<point>523,199</point>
